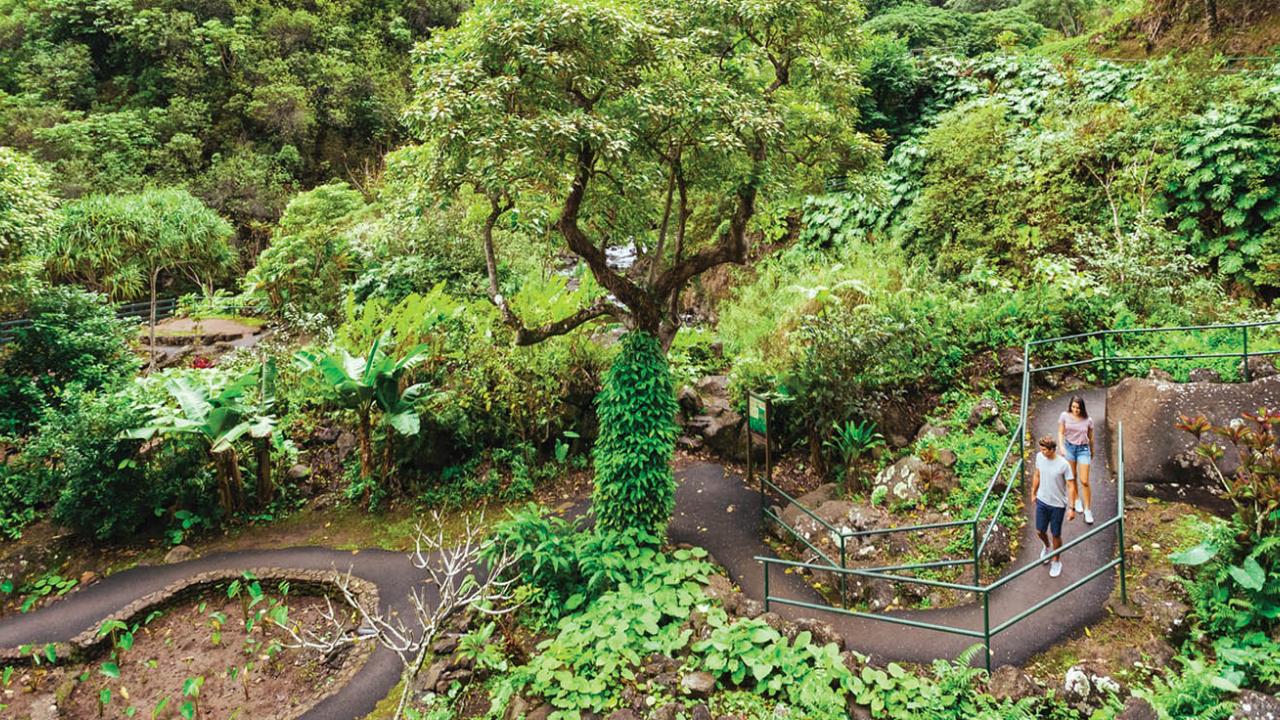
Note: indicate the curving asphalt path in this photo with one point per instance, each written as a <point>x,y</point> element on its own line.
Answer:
<point>714,509</point>
<point>717,511</point>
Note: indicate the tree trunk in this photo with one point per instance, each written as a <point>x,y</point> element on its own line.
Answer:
<point>1211,16</point>
<point>154,276</point>
<point>236,484</point>
<point>266,490</point>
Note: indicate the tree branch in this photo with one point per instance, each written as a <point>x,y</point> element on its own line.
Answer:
<point>533,336</point>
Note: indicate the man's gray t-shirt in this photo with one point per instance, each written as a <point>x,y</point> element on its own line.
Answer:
<point>1054,475</point>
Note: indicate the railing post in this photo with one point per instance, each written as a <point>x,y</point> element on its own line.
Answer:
<point>1245,330</point>
<point>766,585</point>
<point>842,566</point>
<point>1124,585</point>
<point>976,558</point>
<point>1106,362</point>
<point>1022,413</point>
<point>986,625</point>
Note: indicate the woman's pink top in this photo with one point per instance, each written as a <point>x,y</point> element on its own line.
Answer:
<point>1077,428</point>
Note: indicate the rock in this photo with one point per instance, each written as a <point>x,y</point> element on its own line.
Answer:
<point>1204,375</point>
<point>690,443</point>
<point>180,553</point>
<point>698,684</point>
<point>835,512</point>
<point>1010,363</point>
<point>298,472</point>
<point>984,412</point>
<point>88,577</point>
<point>928,431</point>
<point>1157,653</point>
<point>719,587</point>
<point>345,443</point>
<point>431,678</point>
<point>689,401</point>
<point>1123,610</point>
<point>902,480</point>
<point>1259,367</point>
<point>1150,409</point>
<point>723,434</point>
<point>939,481</point>
<point>1253,705</point>
<point>541,711</point>
<point>700,712</point>
<point>947,458</point>
<point>44,708</point>
<point>999,428</point>
<point>1158,374</point>
<point>517,706</point>
<point>823,633</point>
<point>1135,708</point>
<point>326,435</point>
<point>713,385</point>
<point>999,548</point>
<point>898,441</point>
<point>1010,683</point>
<point>670,711</point>
<point>1167,614</point>
<point>445,645</point>
<point>750,608</point>
<point>623,714</point>
<point>812,499</point>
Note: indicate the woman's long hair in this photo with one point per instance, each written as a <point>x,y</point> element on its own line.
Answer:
<point>1084,411</point>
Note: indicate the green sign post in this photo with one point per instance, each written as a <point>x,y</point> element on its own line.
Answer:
<point>759,429</point>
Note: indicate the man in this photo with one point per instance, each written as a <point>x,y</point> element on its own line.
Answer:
<point>1049,486</point>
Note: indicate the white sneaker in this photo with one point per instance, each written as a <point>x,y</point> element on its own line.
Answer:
<point>1079,505</point>
<point>1055,569</point>
<point>1044,552</point>
<point>1088,517</point>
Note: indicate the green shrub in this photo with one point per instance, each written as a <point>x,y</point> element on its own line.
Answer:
<point>634,486</point>
<point>74,338</point>
<point>312,254</point>
<point>98,482</point>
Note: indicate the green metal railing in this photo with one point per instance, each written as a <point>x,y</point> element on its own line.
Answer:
<point>1109,341</point>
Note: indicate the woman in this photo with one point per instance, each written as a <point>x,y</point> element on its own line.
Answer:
<point>1075,437</point>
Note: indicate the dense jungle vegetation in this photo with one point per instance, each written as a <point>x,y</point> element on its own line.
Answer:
<point>477,248</point>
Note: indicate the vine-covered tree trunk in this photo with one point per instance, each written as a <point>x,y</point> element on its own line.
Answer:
<point>634,487</point>
<point>230,482</point>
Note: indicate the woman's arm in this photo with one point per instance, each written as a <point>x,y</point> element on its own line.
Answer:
<point>1092,450</point>
<point>1062,432</point>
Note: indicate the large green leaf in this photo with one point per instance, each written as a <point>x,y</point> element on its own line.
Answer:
<point>192,398</point>
<point>1198,555</point>
<point>1250,575</point>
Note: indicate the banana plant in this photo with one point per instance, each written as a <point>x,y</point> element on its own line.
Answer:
<point>218,419</point>
<point>369,383</point>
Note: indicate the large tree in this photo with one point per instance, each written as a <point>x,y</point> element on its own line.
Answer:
<point>120,244</point>
<point>658,126</point>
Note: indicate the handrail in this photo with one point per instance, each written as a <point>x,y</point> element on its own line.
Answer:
<point>1018,438</point>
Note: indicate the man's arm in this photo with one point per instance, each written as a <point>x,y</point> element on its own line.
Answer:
<point>1035,482</point>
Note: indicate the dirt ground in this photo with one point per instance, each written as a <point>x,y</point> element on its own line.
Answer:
<point>1127,648</point>
<point>203,639</point>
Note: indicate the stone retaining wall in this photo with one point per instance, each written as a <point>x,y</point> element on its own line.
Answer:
<point>88,645</point>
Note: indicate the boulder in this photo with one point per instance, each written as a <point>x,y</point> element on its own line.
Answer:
<point>999,547</point>
<point>1204,375</point>
<point>928,431</point>
<point>698,684</point>
<point>623,714</point>
<point>947,458</point>
<point>902,480</point>
<point>1259,367</point>
<point>689,401</point>
<point>713,385</point>
<point>1010,683</point>
<point>1149,410</point>
<point>690,443</point>
<point>812,499</point>
<point>750,608</point>
<point>1135,708</point>
<point>345,444</point>
<point>700,712</point>
<point>180,553</point>
<point>1253,705</point>
<point>1009,362</point>
<point>822,633</point>
<point>1158,374</point>
<point>720,588</point>
<point>984,412</point>
<point>723,434</point>
<point>939,481</point>
<point>298,472</point>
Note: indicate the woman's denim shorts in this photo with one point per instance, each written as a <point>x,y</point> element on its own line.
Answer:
<point>1079,454</point>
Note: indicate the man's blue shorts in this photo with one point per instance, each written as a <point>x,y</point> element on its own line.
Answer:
<point>1050,517</point>
<point>1079,454</point>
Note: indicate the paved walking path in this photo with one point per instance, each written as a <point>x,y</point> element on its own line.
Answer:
<point>714,509</point>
